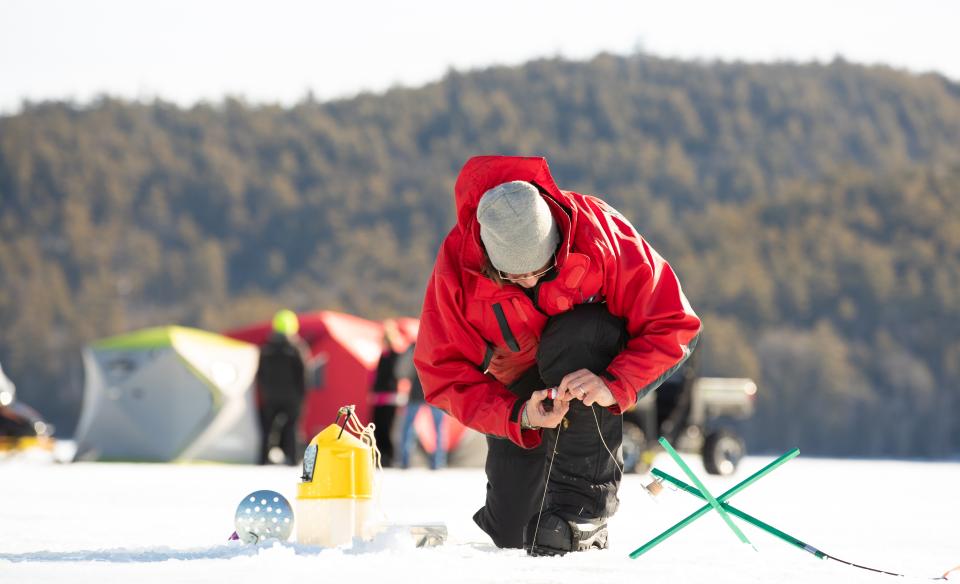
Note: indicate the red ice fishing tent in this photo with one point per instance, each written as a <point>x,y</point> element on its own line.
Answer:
<point>349,347</point>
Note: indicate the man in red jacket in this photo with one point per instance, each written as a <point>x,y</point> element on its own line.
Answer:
<point>539,292</point>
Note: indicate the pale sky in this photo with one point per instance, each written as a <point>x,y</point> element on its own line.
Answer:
<point>277,50</point>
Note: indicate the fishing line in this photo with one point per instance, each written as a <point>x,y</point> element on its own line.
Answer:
<point>604,442</point>
<point>546,484</point>
<point>836,559</point>
<point>553,455</point>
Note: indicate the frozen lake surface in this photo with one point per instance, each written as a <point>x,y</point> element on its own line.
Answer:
<point>99,523</point>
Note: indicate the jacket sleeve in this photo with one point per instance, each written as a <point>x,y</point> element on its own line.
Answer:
<point>663,329</point>
<point>449,355</point>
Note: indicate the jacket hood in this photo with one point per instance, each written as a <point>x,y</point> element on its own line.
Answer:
<point>482,173</point>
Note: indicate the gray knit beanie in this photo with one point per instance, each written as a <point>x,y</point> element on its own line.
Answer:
<point>517,228</point>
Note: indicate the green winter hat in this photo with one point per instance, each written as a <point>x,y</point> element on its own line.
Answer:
<point>285,322</point>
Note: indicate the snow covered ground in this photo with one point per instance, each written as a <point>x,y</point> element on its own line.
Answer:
<point>99,523</point>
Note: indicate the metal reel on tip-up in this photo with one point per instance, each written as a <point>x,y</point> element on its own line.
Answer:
<point>654,487</point>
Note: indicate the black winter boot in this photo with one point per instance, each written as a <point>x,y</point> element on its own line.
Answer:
<point>557,535</point>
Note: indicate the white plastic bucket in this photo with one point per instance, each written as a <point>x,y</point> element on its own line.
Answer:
<point>333,522</point>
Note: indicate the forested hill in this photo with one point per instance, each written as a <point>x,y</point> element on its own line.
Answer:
<point>812,212</point>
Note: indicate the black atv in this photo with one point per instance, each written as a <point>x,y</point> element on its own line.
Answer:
<point>686,411</point>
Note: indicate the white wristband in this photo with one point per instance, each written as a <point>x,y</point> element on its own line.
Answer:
<point>525,419</point>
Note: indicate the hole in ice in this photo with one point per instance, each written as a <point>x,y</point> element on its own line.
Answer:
<point>269,509</point>
<point>274,519</point>
<point>286,520</point>
<point>252,499</point>
<point>263,501</point>
<point>257,509</point>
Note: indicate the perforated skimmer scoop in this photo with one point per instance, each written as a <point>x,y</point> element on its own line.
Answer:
<point>263,515</point>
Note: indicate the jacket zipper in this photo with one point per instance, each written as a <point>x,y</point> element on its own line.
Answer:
<point>505,328</point>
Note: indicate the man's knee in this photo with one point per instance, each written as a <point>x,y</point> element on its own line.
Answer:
<point>586,337</point>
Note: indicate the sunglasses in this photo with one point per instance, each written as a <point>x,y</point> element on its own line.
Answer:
<point>520,278</point>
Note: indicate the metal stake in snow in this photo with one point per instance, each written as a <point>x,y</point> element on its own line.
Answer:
<point>721,499</point>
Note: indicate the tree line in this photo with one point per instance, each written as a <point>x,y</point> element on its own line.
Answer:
<point>810,210</point>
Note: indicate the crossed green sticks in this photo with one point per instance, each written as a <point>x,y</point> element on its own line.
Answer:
<point>719,504</point>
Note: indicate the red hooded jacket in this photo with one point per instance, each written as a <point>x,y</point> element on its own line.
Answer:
<point>477,337</point>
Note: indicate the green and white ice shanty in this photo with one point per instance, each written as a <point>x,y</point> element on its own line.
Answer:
<point>169,394</point>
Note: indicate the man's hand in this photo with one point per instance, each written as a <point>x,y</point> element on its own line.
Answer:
<point>587,387</point>
<point>539,416</point>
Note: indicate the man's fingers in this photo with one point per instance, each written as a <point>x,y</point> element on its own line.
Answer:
<point>562,411</point>
<point>581,387</point>
<point>554,417</point>
<point>539,396</point>
<point>572,379</point>
<point>601,396</point>
<point>590,398</point>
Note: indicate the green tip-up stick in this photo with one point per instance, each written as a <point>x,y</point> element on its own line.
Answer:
<point>744,516</point>
<point>723,508</point>
<point>703,489</point>
<point>721,499</point>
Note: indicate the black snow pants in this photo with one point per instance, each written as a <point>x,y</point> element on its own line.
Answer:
<point>278,426</point>
<point>584,478</point>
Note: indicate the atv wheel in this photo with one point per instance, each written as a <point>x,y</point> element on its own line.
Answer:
<point>722,451</point>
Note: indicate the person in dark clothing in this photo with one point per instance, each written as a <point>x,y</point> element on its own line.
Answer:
<point>281,385</point>
<point>546,316</point>
<point>385,393</point>
<point>415,402</point>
